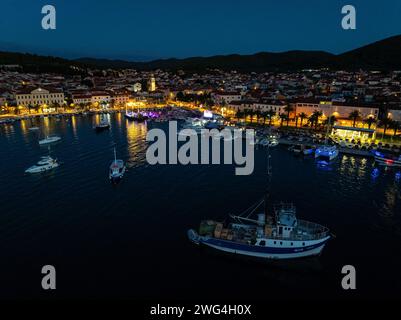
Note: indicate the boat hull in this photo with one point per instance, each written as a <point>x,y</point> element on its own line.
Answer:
<point>388,162</point>
<point>311,248</point>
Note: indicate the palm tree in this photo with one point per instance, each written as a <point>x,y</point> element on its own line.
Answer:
<point>369,121</point>
<point>330,120</point>
<point>251,113</point>
<point>263,115</point>
<point>37,108</point>
<point>385,123</point>
<point>270,114</point>
<point>314,118</point>
<point>239,114</point>
<point>395,125</point>
<point>302,116</point>
<point>258,114</point>
<point>354,115</point>
<point>283,117</point>
<point>288,108</point>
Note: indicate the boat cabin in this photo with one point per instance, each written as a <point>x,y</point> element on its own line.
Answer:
<point>286,220</point>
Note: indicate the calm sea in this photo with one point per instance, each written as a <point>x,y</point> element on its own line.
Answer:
<point>129,240</point>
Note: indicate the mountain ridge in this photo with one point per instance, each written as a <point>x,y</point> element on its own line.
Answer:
<point>383,54</point>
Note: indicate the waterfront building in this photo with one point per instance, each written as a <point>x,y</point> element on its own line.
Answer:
<point>39,96</point>
<point>100,97</point>
<point>339,109</point>
<point>225,97</point>
<point>82,99</point>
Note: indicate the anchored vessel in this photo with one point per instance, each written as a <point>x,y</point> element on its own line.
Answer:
<point>49,140</point>
<point>104,124</point>
<point>117,169</point>
<point>280,235</point>
<point>45,164</point>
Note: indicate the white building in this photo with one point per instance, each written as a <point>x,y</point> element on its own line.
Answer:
<point>39,96</point>
<point>341,110</point>
<point>82,98</point>
<point>100,97</point>
<point>225,97</point>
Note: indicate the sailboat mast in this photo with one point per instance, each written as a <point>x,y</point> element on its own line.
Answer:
<point>327,131</point>
<point>268,182</point>
<point>115,156</point>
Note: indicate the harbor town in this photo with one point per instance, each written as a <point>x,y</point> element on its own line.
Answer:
<point>206,158</point>
<point>362,108</point>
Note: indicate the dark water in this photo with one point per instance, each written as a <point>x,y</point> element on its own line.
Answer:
<point>129,241</point>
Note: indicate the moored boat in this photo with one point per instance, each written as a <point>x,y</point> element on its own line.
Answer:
<point>45,164</point>
<point>387,159</point>
<point>103,125</point>
<point>49,139</point>
<point>326,152</point>
<point>116,170</point>
<point>274,234</point>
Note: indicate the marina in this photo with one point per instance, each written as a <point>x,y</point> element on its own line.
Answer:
<point>76,199</point>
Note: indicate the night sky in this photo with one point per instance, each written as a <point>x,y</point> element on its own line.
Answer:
<point>144,30</point>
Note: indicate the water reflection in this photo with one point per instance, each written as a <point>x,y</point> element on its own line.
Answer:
<point>136,143</point>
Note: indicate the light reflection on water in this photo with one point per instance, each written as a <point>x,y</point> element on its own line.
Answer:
<point>155,205</point>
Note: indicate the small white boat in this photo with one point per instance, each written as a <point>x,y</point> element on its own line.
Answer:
<point>117,169</point>
<point>45,164</point>
<point>103,125</point>
<point>326,152</point>
<point>48,140</point>
<point>33,129</point>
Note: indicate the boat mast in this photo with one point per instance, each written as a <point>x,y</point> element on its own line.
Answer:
<point>327,131</point>
<point>115,156</point>
<point>268,182</point>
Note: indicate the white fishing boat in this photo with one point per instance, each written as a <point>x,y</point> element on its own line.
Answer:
<point>33,129</point>
<point>45,164</point>
<point>49,139</point>
<point>274,234</point>
<point>117,169</point>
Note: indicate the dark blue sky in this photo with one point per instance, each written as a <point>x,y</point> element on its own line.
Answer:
<point>177,28</point>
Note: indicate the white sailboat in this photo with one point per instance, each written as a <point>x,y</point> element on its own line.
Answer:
<point>117,169</point>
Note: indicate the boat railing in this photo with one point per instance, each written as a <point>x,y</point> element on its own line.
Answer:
<point>305,230</point>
